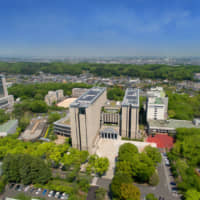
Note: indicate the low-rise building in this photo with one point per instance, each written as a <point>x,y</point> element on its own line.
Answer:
<point>54,97</point>
<point>169,126</point>
<point>35,130</point>
<point>8,127</point>
<point>63,127</point>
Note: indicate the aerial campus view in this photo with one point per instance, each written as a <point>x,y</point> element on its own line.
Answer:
<point>99,100</point>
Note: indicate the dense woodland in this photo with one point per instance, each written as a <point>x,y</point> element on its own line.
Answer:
<point>183,106</point>
<point>34,163</point>
<point>185,160</point>
<point>153,71</point>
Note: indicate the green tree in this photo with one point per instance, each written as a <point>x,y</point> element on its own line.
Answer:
<point>100,194</point>
<point>153,153</point>
<point>192,194</point>
<point>3,116</point>
<point>151,197</point>
<point>116,183</point>
<point>52,117</point>
<point>128,191</point>
<point>154,179</point>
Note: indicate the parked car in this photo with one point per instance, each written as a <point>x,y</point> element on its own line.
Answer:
<point>44,192</point>
<point>11,186</point>
<point>50,193</point>
<point>38,191</point>
<point>64,196</point>
<point>18,188</point>
<point>27,188</point>
<point>57,194</point>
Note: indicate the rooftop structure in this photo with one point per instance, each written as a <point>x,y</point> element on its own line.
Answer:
<point>88,98</point>
<point>169,126</point>
<point>77,92</point>
<point>8,127</point>
<point>66,103</point>
<point>131,97</point>
<point>36,129</point>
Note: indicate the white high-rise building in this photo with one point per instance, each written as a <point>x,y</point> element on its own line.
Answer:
<point>6,101</point>
<point>157,104</point>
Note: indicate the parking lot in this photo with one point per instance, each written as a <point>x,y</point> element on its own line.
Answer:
<point>12,190</point>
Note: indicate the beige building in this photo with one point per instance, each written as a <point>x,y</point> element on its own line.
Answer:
<point>77,92</point>
<point>130,114</point>
<point>54,97</point>
<point>85,115</point>
<point>6,101</point>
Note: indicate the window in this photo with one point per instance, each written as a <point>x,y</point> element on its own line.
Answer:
<point>82,111</point>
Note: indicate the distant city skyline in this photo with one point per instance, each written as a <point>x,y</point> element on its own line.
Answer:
<point>99,28</point>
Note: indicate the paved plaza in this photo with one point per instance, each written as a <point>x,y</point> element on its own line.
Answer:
<point>109,148</point>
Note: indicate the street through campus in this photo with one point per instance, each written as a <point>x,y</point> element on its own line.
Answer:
<point>164,188</point>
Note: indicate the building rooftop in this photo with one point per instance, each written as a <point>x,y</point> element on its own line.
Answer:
<point>155,100</point>
<point>6,126</point>
<point>172,124</point>
<point>88,97</point>
<point>131,97</point>
<point>63,121</point>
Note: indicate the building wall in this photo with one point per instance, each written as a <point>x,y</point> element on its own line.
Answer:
<point>85,127</point>
<point>156,112</point>
<point>3,88</point>
<point>130,122</point>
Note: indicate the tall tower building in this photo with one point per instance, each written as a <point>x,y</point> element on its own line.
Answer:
<point>85,115</point>
<point>130,114</point>
<point>3,88</point>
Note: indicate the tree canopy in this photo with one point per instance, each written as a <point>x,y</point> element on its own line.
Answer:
<point>153,71</point>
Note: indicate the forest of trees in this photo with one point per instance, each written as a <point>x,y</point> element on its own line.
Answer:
<point>183,102</point>
<point>153,71</point>
<point>184,160</point>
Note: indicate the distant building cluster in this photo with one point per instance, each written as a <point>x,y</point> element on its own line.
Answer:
<point>6,101</point>
<point>54,97</point>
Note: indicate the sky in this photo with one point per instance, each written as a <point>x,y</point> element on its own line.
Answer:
<point>53,28</point>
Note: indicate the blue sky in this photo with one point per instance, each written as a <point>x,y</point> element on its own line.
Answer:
<point>99,27</point>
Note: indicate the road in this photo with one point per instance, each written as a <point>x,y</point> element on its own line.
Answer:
<point>163,189</point>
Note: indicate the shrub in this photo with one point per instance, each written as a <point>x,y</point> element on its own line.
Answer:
<point>151,197</point>
<point>154,180</point>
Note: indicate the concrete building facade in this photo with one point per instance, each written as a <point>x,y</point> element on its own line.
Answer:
<point>6,101</point>
<point>157,104</point>
<point>130,114</point>
<point>54,97</point>
<point>85,118</point>
<point>77,92</point>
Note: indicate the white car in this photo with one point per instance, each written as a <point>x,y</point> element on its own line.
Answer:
<point>38,191</point>
<point>27,188</point>
<point>50,193</point>
<point>64,196</point>
<point>57,194</point>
